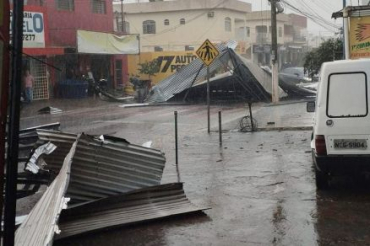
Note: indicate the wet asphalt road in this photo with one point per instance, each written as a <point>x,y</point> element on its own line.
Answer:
<point>260,186</point>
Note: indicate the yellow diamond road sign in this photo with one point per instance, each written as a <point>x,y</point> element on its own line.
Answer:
<point>207,52</point>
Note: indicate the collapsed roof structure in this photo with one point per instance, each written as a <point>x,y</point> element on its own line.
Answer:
<point>231,77</point>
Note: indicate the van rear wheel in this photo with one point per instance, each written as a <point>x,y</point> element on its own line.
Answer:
<point>322,180</point>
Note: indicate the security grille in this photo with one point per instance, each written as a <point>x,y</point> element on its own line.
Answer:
<point>40,85</point>
<point>98,6</point>
<point>65,5</point>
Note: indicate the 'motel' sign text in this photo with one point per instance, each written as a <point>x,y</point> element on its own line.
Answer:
<point>33,29</point>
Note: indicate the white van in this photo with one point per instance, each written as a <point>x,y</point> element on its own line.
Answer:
<point>341,132</point>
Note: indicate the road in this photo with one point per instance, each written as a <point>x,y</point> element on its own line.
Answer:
<point>260,186</point>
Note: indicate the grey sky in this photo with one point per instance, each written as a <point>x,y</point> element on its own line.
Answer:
<point>316,8</point>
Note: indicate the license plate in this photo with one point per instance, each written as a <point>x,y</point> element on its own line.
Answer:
<point>350,143</point>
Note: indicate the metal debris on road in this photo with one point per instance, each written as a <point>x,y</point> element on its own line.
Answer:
<point>108,181</point>
<point>50,110</point>
<point>103,168</point>
<point>41,224</point>
<point>46,149</point>
<point>133,207</point>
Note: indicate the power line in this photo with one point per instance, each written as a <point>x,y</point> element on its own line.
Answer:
<point>323,23</point>
<point>315,15</point>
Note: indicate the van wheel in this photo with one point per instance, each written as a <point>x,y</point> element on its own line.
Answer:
<point>322,180</point>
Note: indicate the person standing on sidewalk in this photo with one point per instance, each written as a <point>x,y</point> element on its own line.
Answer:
<point>28,83</point>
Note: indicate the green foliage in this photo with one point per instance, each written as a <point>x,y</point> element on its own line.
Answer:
<point>329,50</point>
<point>149,68</point>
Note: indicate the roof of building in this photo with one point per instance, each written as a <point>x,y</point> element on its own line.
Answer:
<point>183,5</point>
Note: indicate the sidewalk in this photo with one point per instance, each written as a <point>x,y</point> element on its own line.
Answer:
<point>289,115</point>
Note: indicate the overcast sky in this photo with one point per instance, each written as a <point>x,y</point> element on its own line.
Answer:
<point>315,8</point>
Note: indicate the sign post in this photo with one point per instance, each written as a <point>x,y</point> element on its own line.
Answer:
<point>207,52</point>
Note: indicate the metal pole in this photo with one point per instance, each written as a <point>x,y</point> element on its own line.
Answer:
<point>14,115</point>
<point>4,89</point>
<point>208,102</point>
<point>344,39</point>
<point>274,55</point>
<point>220,126</point>
<point>250,114</point>
<point>176,150</point>
<point>346,33</point>
<point>123,27</point>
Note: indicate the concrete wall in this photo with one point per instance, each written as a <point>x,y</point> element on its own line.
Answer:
<point>64,24</point>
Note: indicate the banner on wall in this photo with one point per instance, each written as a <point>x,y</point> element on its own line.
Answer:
<point>169,62</point>
<point>33,29</point>
<point>106,43</point>
<point>359,37</point>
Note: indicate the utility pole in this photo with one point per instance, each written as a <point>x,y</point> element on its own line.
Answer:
<point>274,54</point>
<point>345,31</point>
<point>13,129</point>
<point>123,23</point>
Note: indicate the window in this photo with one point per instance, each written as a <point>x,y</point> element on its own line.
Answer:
<point>166,22</point>
<point>347,95</point>
<point>68,5</point>
<point>182,21</point>
<point>189,47</point>
<point>98,6</point>
<point>280,32</point>
<point>261,29</point>
<point>248,32</point>
<point>149,27</point>
<point>124,28</point>
<point>227,24</point>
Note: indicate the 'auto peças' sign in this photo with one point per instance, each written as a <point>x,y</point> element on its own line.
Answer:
<point>33,29</point>
<point>169,62</point>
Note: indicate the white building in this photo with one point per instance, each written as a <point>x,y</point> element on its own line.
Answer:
<point>184,25</point>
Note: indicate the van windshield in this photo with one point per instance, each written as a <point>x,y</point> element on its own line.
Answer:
<point>347,95</point>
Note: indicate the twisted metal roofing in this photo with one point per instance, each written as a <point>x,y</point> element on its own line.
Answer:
<point>103,168</point>
<point>137,206</point>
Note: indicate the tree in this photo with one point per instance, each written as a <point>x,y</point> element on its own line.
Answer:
<point>149,68</point>
<point>329,50</point>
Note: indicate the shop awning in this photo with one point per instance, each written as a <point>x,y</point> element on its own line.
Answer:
<point>106,43</point>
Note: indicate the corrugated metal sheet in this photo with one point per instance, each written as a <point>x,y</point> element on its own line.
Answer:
<point>108,182</point>
<point>255,83</point>
<point>137,206</point>
<point>104,168</point>
<point>40,225</point>
<point>185,77</point>
<point>63,141</point>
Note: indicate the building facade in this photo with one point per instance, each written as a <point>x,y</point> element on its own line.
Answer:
<point>183,25</point>
<point>291,38</point>
<point>59,55</point>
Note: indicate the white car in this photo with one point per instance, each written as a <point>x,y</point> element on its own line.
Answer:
<point>341,133</point>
